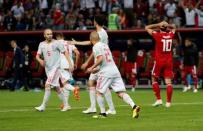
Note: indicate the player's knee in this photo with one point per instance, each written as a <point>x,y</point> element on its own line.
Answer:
<point>120,94</point>
<point>91,83</point>
<point>99,94</point>
<point>47,87</point>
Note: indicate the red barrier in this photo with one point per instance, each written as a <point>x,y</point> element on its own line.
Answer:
<point>73,32</point>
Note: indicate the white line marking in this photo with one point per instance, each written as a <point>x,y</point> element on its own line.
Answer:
<point>77,108</point>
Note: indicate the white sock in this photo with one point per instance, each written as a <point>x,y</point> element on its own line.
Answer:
<point>92,94</point>
<point>109,100</point>
<point>69,87</point>
<point>47,94</point>
<point>128,100</point>
<point>62,96</point>
<point>66,94</point>
<point>100,101</point>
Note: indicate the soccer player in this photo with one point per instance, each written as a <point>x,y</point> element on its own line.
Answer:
<point>98,22</point>
<point>189,64</point>
<point>163,59</point>
<point>108,76</point>
<point>66,74</point>
<point>50,49</point>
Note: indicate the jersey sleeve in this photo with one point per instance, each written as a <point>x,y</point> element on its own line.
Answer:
<point>39,51</point>
<point>61,47</point>
<point>97,51</point>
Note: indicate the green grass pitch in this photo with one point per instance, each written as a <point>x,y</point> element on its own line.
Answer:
<point>17,113</point>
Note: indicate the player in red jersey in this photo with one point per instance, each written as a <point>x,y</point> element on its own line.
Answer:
<point>163,64</point>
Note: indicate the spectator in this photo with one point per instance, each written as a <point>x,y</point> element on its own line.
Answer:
<point>43,5</point>
<point>18,10</point>
<point>189,14</point>
<point>58,18</point>
<point>128,9</point>
<point>113,20</point>
<point>199,13</point>
<point>170,8</point>
<point>87,4</point>
<point>159,7</point>
<point>9,22</point>
<point>122,18</point>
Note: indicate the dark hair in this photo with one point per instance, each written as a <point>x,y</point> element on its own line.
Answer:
<point>99,19</point>
<point>59,34</point>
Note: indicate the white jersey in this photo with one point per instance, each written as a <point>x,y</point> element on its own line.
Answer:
<point>70,48</point>
<point>103,36</point>
<point>51,53</point>
<point>108,68</point>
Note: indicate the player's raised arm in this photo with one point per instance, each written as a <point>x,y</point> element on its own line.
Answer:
<point>150,28</point>
<point>74,42</point>
<point>77,56</point>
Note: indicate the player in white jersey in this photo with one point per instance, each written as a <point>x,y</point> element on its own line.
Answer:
<point>108,76</point>
<point>66,75</point>
<point>50,50</point>
<point>98,22</point>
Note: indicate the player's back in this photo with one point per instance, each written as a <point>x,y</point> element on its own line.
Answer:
<point>163,45</point>
<point>103,36</point>
<point>108,67</point>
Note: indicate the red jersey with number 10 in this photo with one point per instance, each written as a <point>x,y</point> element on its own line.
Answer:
<point>163,47</point>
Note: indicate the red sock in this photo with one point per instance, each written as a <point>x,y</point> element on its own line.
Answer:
<point>169,91</point>
<point>156,90</point>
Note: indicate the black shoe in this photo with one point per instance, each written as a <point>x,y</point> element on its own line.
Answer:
<point>101,115</point>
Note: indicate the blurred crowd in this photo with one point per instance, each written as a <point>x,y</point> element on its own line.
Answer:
<point>22,15</point>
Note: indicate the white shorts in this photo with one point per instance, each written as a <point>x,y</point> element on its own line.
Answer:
<point>65,75</point>
<point>93,77</point>
<point>116,83</point>
<point>53,77</point>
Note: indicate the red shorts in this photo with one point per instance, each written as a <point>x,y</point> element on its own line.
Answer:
<point>190,70</point>
<point>128,67</point>
<point>164,68</point>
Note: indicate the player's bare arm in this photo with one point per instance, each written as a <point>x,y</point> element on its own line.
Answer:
<point>84,66</point>
<point>77,54</point>
<point>150,28</point>
<point>41,61</point>
<point>96,64</point>
<point>74,42</point>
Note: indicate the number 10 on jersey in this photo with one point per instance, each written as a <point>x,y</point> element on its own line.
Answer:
<point>167,44</point>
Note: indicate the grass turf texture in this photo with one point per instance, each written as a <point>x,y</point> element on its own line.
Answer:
<point>17,113</point>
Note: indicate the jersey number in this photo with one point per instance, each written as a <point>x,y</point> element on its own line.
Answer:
<point>107,54</point>
<point>167,44</point>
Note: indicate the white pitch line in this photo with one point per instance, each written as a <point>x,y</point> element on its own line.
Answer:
<point>28,110</point>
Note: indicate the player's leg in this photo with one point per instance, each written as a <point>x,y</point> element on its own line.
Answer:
<point>102,85</point>
<point>46,97</point>
<point>92,95</point>
<point>156,89</point>
<point>65,76</point>
<point>169,91</point>
<point>119,87</point>
<point>168,75</point>
<point>195,78</point>
<point>62,97</point>
<point>110,103</point>
<point>155,85</point>
<point>184,79</point>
